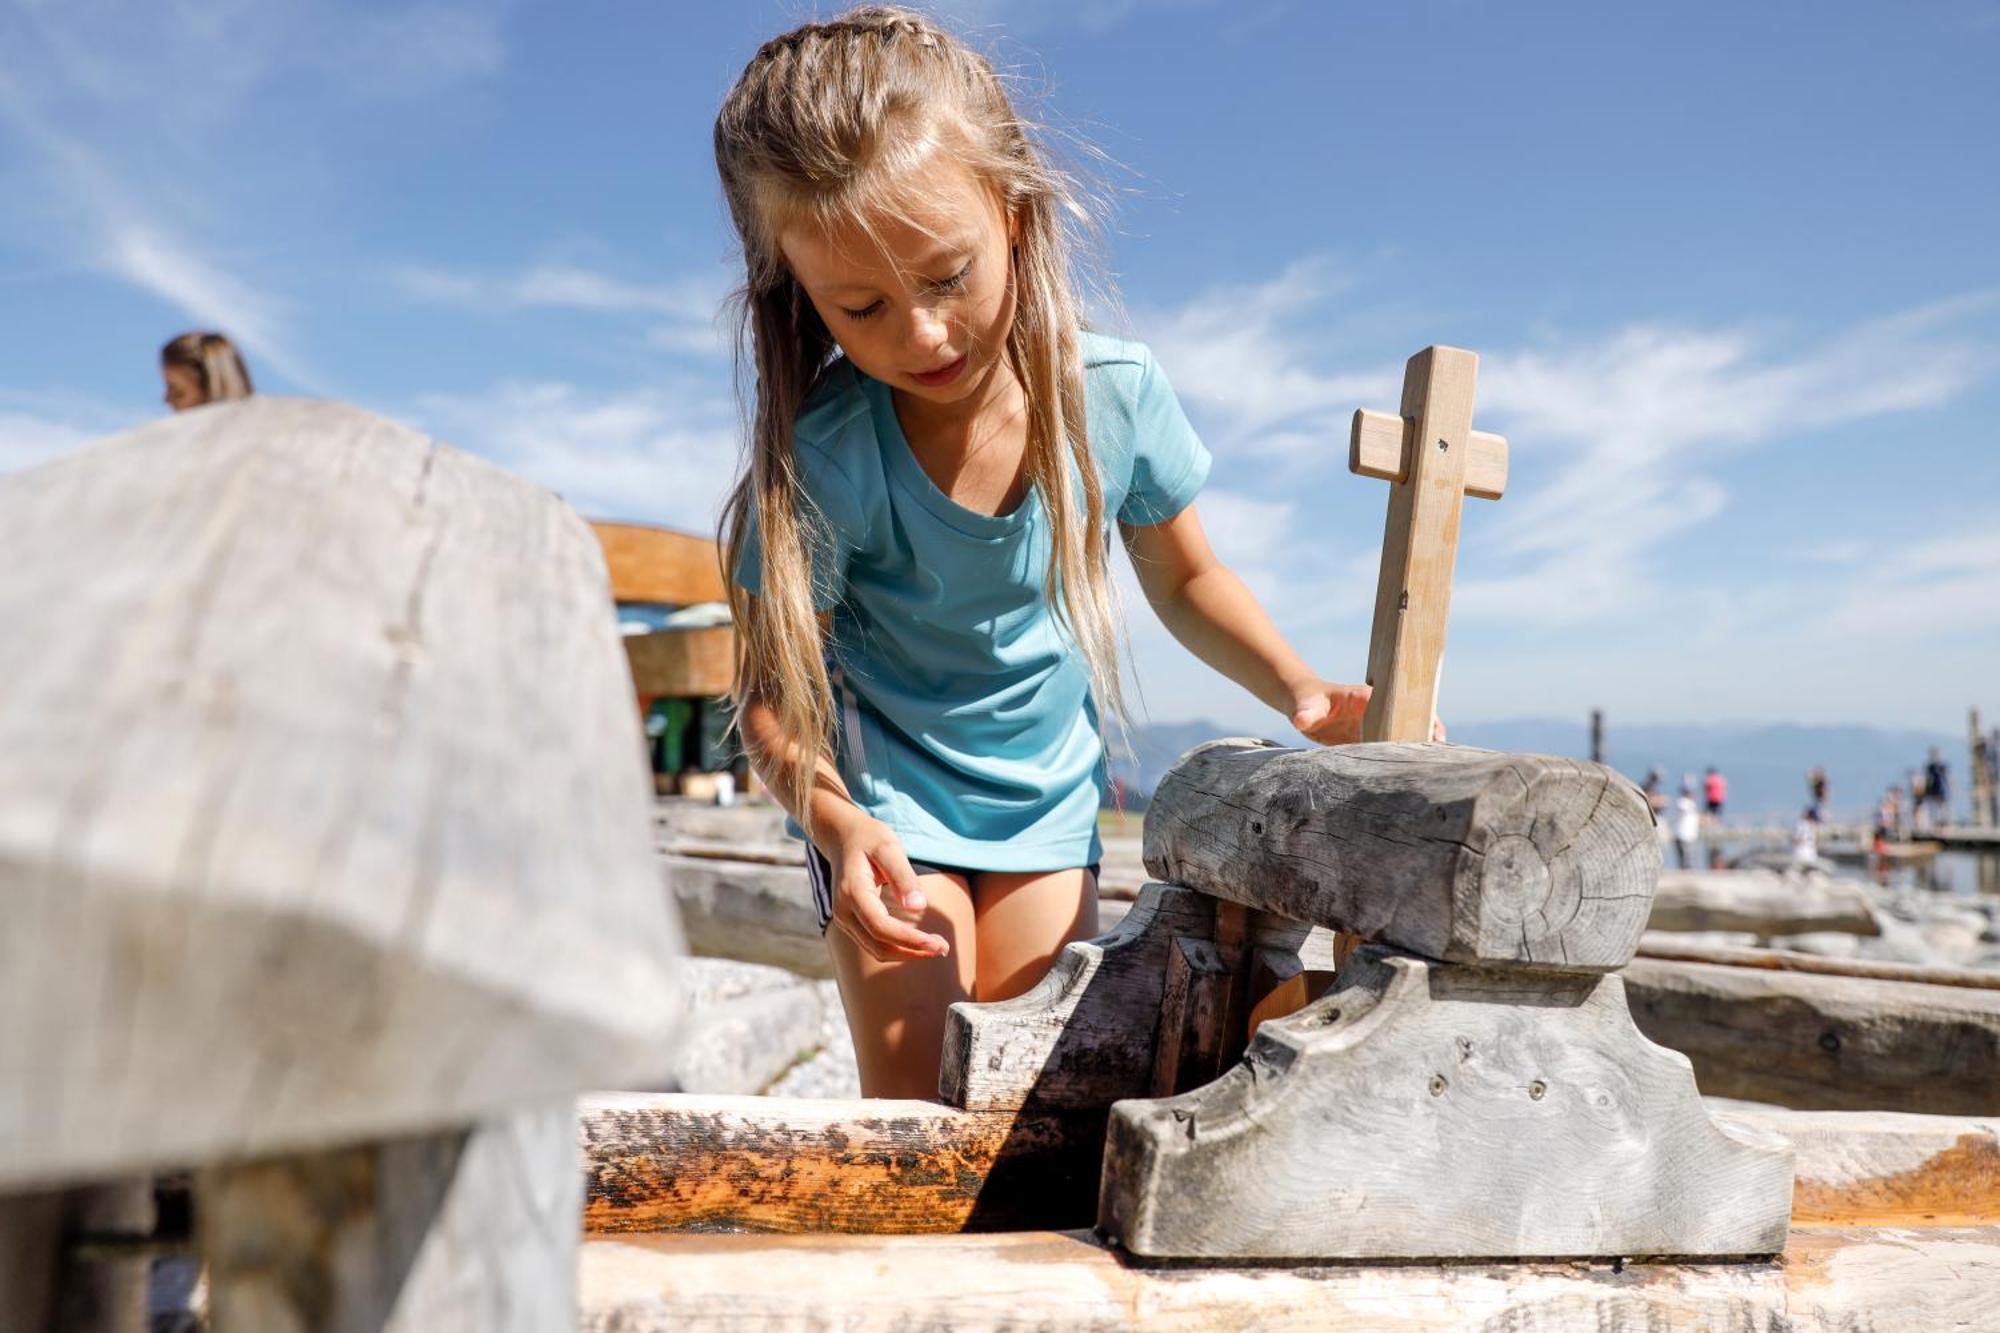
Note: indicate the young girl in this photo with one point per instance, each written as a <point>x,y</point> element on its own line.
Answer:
<point>200,368</point>
<point>919,540</point>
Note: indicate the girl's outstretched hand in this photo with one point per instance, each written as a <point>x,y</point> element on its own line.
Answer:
<point>1331,713</point>
<point>866,856</point>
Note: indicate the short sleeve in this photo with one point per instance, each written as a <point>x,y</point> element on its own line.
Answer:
<point>1169,462</point>
<point>831,514</point>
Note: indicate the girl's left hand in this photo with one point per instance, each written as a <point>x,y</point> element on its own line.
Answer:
<point>1331,713</point>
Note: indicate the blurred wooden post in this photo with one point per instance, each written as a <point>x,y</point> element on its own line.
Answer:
<point>325,860</point>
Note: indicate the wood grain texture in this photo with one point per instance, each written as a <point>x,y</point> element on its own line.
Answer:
<point>1420,547</point>
<point>654,564</point>
<point>1824,1042</point>
<point>1087,1034</point>
<point>683,663</point>
<point>754,912</point>
<point>1380,446</point>
<point>1831,1281</point>
<point>457,1232</point>
<point>1430,1111</point>
<point>1454,853</point>
<point>1883,1168</point>
<point>1760,901</point>
<point>656,1162</point>
<point>323,808</point>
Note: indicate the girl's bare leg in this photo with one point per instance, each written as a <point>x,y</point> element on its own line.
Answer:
<point>896,1010</point>
<point>1024,920</point>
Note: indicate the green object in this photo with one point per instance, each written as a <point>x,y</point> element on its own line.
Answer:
<point>669,724</point>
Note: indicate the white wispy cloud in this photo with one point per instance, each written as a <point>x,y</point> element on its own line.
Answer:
<point>684,314</point>
<point>660,454</point>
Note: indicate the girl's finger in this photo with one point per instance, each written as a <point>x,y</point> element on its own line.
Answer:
<point>894,869</point>
<point>874,948</point>
<point>900,935</point>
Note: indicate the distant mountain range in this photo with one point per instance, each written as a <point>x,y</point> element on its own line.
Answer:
<point>1766,765</point>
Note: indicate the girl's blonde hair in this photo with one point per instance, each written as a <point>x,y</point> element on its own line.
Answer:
<point>827,125</point>
<point>214,361</point>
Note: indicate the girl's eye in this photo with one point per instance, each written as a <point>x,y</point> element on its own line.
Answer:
<point>869,311</point>
<point>955,281</point>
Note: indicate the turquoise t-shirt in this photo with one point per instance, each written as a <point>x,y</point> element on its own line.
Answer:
<point>966,722</point>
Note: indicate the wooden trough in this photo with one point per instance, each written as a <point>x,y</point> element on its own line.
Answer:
<point>1458,1126</point>
<point>326,871</point>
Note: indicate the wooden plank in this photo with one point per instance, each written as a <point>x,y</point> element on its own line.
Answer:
<point>1884,1168</point>
<point>1419,547</point>
<point>1824,1042</point>
<point>318,775</point>
<point>1831,1281</point>
<point>456,1230</point>
<point>1760,901</point>
<point>1194,1012</point>
<point>656,1162</point>
<point>1672,947</point>
<point>1380,445</point>
<point>654,564</point>
<point>750,911</point>
<point>1425,1111</point>
<point>1450,852</point>
<point>683,663</point>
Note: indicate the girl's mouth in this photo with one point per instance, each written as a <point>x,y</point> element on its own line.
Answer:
<point>943,375</point>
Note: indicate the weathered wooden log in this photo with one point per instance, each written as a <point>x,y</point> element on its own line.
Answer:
<point>1087,1034</point>
<point>1817,1042</point>
<point>1456,854</point>
<point>323,808</point>
<point>1883,1168</point>
<point>750,911</point>
<point>1695,949</point>
<point>1429,1111</point>
<point>457,1230</point>
<point>1760,901</point>
<point>657,1162</point>
<point>1831,1281</point>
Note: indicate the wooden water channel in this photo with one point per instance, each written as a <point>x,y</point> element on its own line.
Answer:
<point>328,851</point>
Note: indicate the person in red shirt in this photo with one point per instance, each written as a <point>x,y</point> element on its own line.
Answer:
<point>1715,788</point>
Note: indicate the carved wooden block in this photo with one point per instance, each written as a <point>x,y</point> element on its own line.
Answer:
<point>1426,1111</point>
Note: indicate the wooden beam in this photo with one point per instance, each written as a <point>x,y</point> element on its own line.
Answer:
<point>1454,853</point>
<point>1676,948</point>
<point>683,663</point>
<point>1381,446</point>
<point>1883,1168</point>
<point>324,814</point>
<point>1830,1281</point>
<point>1760,901</point>
<point>654,564</point>
<point>1824,1042</point>
<point>471,1229</point>
<point>657,1162</point>
<point>1422,1110</point>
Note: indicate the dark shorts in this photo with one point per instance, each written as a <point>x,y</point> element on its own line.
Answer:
<point>820,872</point>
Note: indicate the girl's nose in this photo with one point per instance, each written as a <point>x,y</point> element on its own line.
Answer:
<point>928,330</point>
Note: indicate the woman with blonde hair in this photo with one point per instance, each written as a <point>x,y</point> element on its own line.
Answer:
<point>202,368</point>
<point>919,541</point>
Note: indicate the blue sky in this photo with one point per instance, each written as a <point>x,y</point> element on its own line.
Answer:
<point>1731,270</point>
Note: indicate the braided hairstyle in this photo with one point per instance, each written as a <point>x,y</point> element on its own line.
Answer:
<point>836,122</point>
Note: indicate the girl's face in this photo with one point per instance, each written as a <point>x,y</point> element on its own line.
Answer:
<point>921,301</point>
<point>183,388</point>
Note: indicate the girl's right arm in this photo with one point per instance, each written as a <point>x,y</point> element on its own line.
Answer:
<point>862,850</point>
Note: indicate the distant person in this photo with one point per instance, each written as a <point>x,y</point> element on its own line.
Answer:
<point>1937,789</point>
<point>1687,826</point>
<point>1654,791</point>
<point>202,368</point>
<point>1805,837</point>
<point>1715,788</point>
<point>1816,785</point>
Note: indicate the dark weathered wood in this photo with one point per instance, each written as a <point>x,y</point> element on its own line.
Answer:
<point>1830,1281</point>
<point>1824,1042</point>
<point>1086,1035</point>
<point>1194,1009</point>
<point>458,1230</point>
<point>656,1162</point>
<point>323,808</point>
<point>1453,853</point>
<point>1420,1110</point>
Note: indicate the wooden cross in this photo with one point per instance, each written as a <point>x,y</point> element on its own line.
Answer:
<point>1432,458</point>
